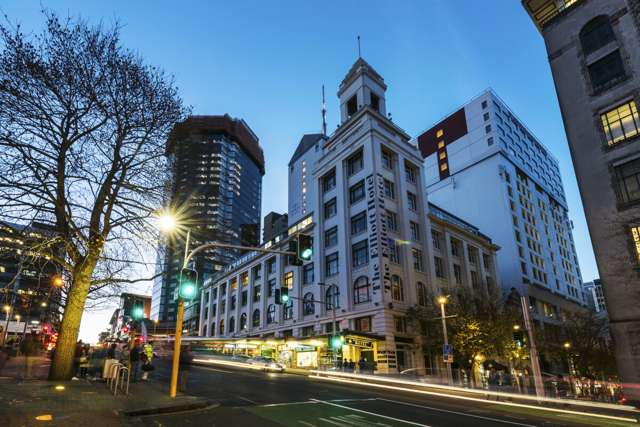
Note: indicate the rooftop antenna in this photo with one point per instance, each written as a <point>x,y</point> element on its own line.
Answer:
<point>324,114</point>
<point>359,53</point>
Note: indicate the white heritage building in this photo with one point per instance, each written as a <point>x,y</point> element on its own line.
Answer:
<point>378,247</point>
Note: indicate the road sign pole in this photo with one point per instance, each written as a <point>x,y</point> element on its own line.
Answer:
<point>446,343</point>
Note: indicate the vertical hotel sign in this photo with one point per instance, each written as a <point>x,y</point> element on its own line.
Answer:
<point>378,245</point>
<point>436,139</point>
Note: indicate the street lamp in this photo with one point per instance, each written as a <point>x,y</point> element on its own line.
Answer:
<point>442,300</point>
<point>57,281</point>
<point>168,223</point>
<point>567,345</point>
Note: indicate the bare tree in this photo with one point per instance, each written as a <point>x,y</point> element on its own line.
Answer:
<point>82,128</point>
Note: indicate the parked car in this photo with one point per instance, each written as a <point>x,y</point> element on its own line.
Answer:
<point>267,363</point>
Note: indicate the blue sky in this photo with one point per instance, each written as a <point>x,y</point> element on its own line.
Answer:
<point>265,61</point>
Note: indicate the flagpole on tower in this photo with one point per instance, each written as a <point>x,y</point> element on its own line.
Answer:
<point>359,53</point>
<point>324,114</point>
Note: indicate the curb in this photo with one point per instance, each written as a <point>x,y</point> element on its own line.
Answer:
<point>171,409</point>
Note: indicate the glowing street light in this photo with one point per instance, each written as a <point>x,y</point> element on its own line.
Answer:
<point>6,308</point>
<point>57,281</point>
<point>567,345</point>
<point>167,222</point>
<point>43,304</point>
<point>442,300</point>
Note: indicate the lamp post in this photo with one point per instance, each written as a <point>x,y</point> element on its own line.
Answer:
<point>7,312</point>
<point>442,301</point>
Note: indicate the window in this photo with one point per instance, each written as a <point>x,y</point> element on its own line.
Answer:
<point>621,123</point>
<point>486,117</point>
<point>256,293</point>
<point>635,234</point>
<point>412,200</point>
<point>439,265</point>
<point>271,313</point>
<point>223,306</point>
<point>455,247</point>
<point>271,266</point>
<point>375,101</point>
<point>331,237</point>
<point>359,223</point>
<point>204,331</point>
<point>243,321</point>
<point>272,287</point>
<point>436,237</point>
<point>206,295</point>
<point>389,189</point>
<point>392,221</point>
<point>486,260</point>
<point>361,290</point>
<point>490,140</point>
<point>244,279</point>
<point>606,71</point>
<point>329,181</point>
<point>410,173</point>
<point>415,231</point>
<point>421,292</point>
<point>244,298</point>
<point>331,264</point>
<point>287,309</point>
<point>332,297</point>
<point>387,159</point>
<point>205,314</point>
<point>400,323</point>
<point>472,253</point>
<point>355,163</point>
<point>234,299</point>
<point>308,305</point>
<point>475,280</point>
<point>352,106</point>
<point>221,327</point>
<point>487,128</point>
<point>628,181</point>
<point>397,291</point>
<point>356,192</point>
<point>363,324</point>
<point>360,253</point>
<point>255,319</point>
<point>394,252</point>
<point>257,272</point>
<point>457,272</point>
<point>596,34</point>
<point>307,274</point>
<point>484,104</point>
<point>213,311</point>
<point>330,209</point>
<point>232,325</point>
<point>287,280</point>
<point>417,259</point>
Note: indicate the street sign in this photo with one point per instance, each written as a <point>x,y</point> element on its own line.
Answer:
<point>447,353</point>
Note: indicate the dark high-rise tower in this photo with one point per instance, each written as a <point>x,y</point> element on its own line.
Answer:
<point>217,167</point>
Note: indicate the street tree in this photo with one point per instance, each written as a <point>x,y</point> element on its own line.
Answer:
<point>83,122</point>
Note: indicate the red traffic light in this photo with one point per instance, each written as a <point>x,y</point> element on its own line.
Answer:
<point>45,328</point>
<point>125,329</point>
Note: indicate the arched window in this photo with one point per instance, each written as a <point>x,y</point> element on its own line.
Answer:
<point>256,318</point>
<point>361,290</point>
<point>332,296</point>
<point>397,292</point>
<point>288,309</point>
<point>308,306</point>
<point>213,329</point>
<point>596,34</point>
<point>204,331</point>
<point>271,313</point>
<point>232,325</point>
<point>243,321</point>
<point>422,294</point>
<point>221,327</point>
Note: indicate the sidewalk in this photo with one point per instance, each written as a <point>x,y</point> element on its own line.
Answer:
<point>81,402</point>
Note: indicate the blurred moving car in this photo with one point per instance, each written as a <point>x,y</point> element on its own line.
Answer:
<point>267,363</point>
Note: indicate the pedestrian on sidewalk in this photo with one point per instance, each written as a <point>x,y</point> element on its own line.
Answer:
<point>186,358</point>
<point>29,347</point>
<point>134,361</point>
<point>109,361</point>
<point>147,356</point>
<point>84,361</point>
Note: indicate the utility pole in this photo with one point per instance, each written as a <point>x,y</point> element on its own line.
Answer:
<point>535,362</point>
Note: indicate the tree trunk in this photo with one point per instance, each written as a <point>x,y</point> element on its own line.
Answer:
<point>62,364</point>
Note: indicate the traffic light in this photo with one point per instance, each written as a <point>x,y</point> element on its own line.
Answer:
<point>277,296</point>
<point>518,338</point>
<point>284,294</point>
<point>138,312</point>
<point>305,247</point>
<point>125,329</point>
<point>336,342</point>
<point>188,283</point>
<point>293,247</point>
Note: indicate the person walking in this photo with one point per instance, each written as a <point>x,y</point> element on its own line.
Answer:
<point>362,365</point>
<point>109,361</point>
<point>185,367</point>
<point>29,347</point>
<point>134,361</point>
<point>146,356</point>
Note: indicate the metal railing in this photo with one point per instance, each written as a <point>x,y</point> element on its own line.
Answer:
<point>118,377</point>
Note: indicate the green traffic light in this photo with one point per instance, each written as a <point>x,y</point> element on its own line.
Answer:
<point>188,290</point>
<point>138,312</point>
<point>306,254</point>
<point>284,298</point>
<point>336,342</point>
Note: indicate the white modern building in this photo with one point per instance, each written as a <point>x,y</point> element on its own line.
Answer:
<point>378,247</point>
<point>483,164</point>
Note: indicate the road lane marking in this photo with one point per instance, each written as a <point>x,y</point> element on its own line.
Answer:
<point>247,400</point>
<point>476,399</point>
<point>270,405</point>
<point>329,421</point>
<point>370,413</point>
<point>456,412</point>
<point>307,424</point>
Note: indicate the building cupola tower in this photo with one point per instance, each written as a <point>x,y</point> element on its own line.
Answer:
<point>361,87</point>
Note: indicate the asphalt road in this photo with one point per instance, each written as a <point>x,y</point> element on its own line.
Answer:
<point>252,398</point>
